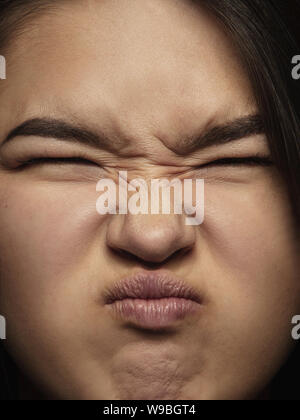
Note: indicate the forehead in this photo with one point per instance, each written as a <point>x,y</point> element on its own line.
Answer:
<point>161,67</point>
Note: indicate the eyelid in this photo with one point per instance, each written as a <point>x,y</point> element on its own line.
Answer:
<point>35,161</point>
<point>254,160</point>
<point>236,161</point>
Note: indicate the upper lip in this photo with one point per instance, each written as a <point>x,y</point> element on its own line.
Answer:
<point>150,285</point>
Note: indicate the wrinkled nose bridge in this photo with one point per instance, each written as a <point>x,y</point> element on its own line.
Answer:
<point>139,195</point>
<point>154,196</point>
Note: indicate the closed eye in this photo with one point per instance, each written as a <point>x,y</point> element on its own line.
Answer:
<point>42,160</point>
<point>249,161</point>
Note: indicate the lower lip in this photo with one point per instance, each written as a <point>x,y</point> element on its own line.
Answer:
<point>153,313</point>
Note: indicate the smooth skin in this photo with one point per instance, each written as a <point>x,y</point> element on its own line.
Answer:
<point>144,75</point>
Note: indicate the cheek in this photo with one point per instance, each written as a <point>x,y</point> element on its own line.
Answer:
<point>251,255</point>
<point>48,224</point>
<point>46,233</point>
<point>249,228</point>
<point>247,257</point>
<point>47,287</point>
<point>251,262</point>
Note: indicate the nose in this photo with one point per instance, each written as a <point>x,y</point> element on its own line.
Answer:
<point>151,238</point>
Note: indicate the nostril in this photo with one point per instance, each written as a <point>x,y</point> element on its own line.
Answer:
<point>124,254</point>
<point>151,262</point>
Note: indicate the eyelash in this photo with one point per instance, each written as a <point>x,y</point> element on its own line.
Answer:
<point>37,161</point>
<point>250,161</point>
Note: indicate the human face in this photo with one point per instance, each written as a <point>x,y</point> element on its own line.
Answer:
<point>144,75</point>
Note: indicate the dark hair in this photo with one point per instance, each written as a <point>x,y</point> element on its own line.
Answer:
<point>8,376</point>
<point>266,34</point>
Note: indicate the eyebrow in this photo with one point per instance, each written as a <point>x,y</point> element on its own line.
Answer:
<point>237,129</point>
<point>62,130</point>
<point>53,128</point>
